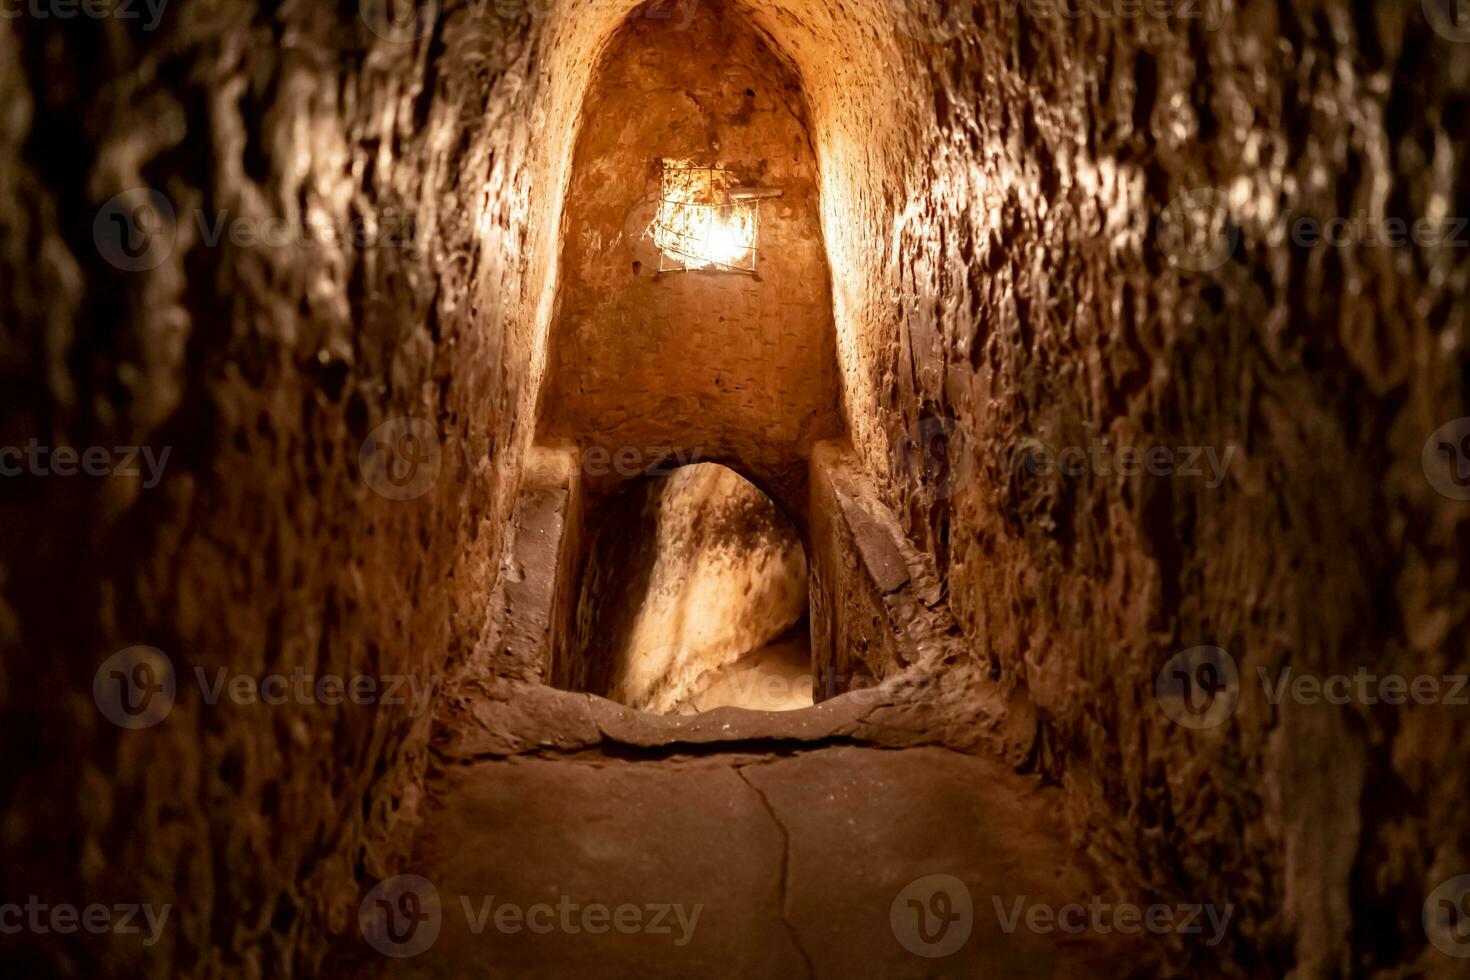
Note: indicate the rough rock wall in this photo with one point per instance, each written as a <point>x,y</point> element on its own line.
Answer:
<point>995,184</point>
<point>336,239</point>
<point>1104,240</point>
<point>1059,228</point>
<point>877,603</point>
<point>686,573</point>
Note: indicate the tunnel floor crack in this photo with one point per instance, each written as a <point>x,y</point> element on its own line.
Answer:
<point>779,864</point>
<point>782,891</point>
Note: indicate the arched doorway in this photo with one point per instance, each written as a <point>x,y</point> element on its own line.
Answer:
<point>693,596</point>
<point>657,357</point>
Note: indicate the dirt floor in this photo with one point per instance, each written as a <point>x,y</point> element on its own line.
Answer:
<point>661,856</point>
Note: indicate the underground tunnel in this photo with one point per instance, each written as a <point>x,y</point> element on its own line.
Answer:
<point>600,488</point>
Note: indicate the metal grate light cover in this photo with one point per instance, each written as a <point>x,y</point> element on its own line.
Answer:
<point>704,220</point>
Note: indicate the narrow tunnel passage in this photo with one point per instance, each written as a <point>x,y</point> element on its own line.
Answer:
<point>1072,400</point>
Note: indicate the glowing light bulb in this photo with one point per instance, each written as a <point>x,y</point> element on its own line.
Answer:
<point>724,245</point>
<point>698,225</point>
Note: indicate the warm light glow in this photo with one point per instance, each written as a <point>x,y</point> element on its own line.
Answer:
<point>699,225</point>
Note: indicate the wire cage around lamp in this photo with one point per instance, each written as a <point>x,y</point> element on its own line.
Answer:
<point>701,224</point>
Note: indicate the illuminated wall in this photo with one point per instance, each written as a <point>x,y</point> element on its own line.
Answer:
<point>727,366</point>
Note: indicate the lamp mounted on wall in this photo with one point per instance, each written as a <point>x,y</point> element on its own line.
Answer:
<point>706,220</point>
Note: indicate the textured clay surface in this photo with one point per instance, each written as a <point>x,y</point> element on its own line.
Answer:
<point>1020,260</point>
<point>765,877</point>
<point>346,248</point>
<point>705,365</point>
<point>686,574</point>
